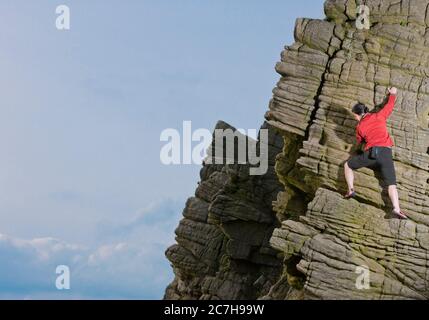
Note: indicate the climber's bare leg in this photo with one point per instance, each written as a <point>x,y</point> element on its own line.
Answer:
<point>393,195</point>
<point>350,177</point>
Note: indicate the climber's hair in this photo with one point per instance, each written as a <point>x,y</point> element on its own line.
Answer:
<point>360,109</point>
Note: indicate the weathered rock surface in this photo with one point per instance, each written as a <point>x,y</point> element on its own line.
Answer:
<point>222,249</point>
<point>230,228</point>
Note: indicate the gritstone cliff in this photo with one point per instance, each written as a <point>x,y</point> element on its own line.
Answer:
<point>289,234</point>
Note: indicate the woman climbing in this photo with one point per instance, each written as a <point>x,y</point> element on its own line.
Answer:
<point>372,131</point>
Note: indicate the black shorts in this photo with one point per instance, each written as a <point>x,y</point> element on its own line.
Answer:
<point>384,163</point>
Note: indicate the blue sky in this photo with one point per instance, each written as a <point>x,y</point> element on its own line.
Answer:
<point>81,113</point>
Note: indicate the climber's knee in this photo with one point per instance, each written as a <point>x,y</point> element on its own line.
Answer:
<point>346,166</point>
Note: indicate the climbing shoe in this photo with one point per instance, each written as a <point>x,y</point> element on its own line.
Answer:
<point>351,194</point>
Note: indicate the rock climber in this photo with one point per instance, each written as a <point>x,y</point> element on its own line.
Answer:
<point>372,131</point>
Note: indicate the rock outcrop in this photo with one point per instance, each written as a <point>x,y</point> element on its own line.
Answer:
<point>226,242</point>
<point>222,249</point>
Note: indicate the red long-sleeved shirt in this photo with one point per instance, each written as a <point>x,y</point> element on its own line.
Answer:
<point>372,127</point>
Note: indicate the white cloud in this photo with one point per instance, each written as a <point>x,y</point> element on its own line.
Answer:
<point>127,262</point>
<point>104,253</point>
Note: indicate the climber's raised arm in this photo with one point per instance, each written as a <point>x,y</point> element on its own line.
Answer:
<point>388,108</point>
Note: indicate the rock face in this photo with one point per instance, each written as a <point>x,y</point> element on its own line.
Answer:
<point>322,242</point>
<point>222,249</point>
